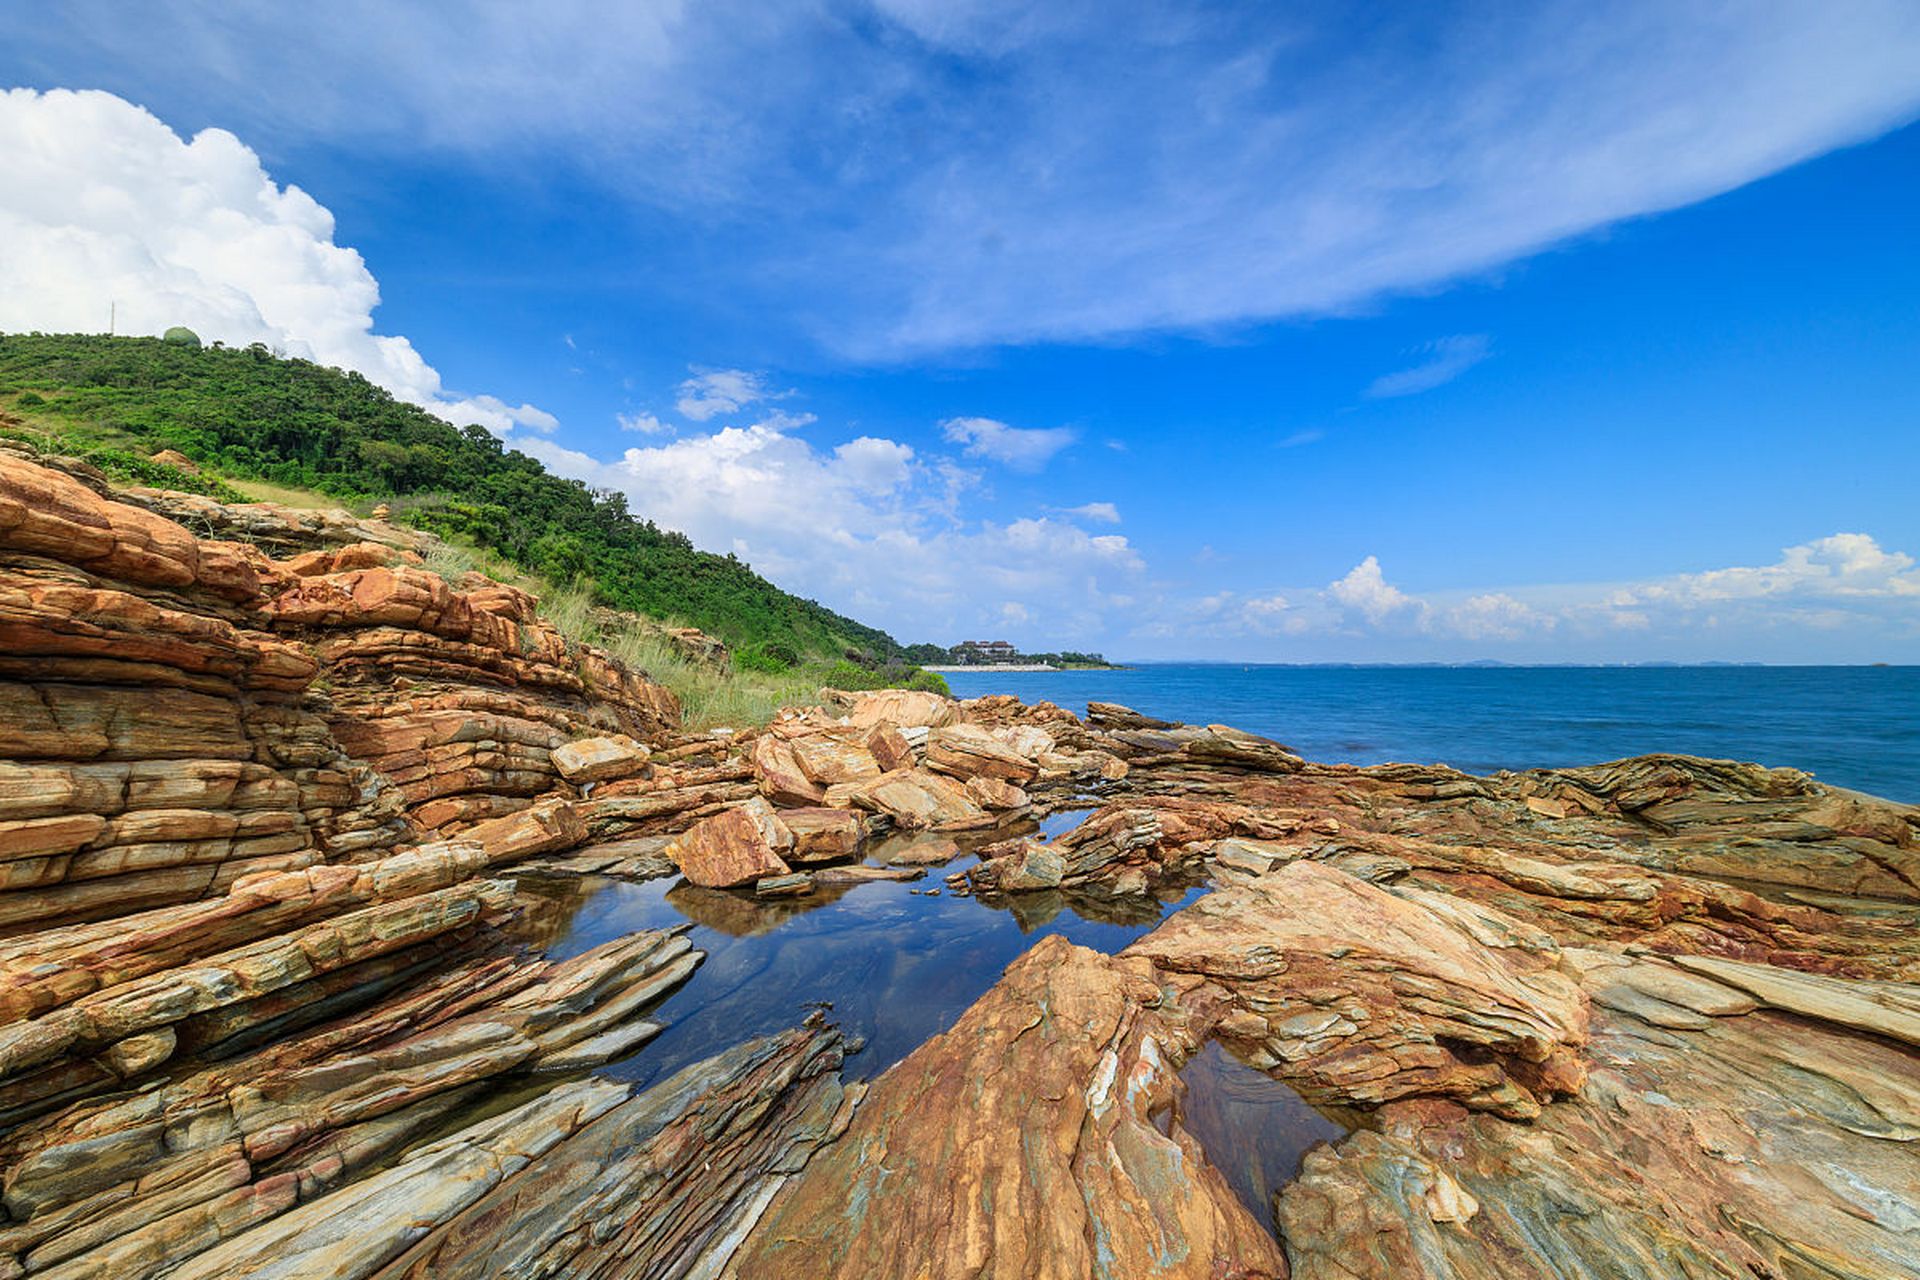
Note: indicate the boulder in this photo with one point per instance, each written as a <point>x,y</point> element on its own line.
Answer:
<point>967,751</point>
<point>824,835</point>
<point>918,800</point>
<point>737,846</point>
<point>901,708</point>
<point>590,760</point>
<point>833,757</point>
<point>992,793</point>
<point>889,748</point>
<point>779,776</point>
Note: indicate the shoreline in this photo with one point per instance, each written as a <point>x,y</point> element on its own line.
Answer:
<point>1013,668</point>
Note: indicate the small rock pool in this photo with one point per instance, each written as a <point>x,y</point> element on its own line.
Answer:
<point>897,966</point>
<point>894,964</point>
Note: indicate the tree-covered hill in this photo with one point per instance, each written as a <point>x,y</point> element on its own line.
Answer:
<point>249,414</point>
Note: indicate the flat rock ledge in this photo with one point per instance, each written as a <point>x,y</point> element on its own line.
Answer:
<point>285,819</point>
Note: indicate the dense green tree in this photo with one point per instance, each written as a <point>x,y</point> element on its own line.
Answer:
<point>249,414</point>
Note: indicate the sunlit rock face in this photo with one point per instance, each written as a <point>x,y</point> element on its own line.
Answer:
<point>294,836</point>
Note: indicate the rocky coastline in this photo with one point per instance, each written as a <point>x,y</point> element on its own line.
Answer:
<point>277,804</point>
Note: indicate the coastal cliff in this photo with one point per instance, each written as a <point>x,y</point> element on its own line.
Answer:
<point>282,814</point>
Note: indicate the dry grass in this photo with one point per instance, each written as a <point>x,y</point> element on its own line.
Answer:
<point>305,499</point>
<point>709,699</point>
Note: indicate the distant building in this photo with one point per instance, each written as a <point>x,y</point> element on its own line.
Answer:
<point>974,652</point>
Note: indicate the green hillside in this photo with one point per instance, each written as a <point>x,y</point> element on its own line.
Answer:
<point>248,414</point>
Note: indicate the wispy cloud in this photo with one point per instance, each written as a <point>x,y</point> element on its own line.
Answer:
<point>710,393</point>
<point>1104,512</point>
<point>1257,163</point>
<point>1441,361</point>
<point>1298,438</point>
<point>644,423</point>
<point>1022,448</point>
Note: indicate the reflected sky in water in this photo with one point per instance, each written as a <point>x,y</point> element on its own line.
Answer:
<point>898,966</point>
<point>1254,1129</point>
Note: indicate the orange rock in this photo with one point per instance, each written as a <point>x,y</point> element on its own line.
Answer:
<point>992,793</point>
<point>1022,1145</point>
<point>734,847</point>
<point>779,775</point>
<point>823,835</point>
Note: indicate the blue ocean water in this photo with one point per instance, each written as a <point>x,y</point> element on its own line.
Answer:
<point>1853,727</point>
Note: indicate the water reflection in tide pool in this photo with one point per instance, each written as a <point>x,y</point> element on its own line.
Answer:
<point>1253,1128</point>
<point>899,967</point>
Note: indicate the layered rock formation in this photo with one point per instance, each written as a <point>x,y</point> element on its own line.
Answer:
<point>284,818</point>
<point>1571,1042</point>
<point>236,972</point>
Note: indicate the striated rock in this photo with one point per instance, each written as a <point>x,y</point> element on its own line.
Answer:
<point>1111,715</point>
<point>734,847</point>
<point>967,751</point>
<point>1353,994</point>
<point>889,748</point>
<point>592,760</point>
<point>1747,1145</point>
<point>862,873</point>
<point>665,1183</point>
<point>901,708</point>
<point>917,800</point>
<point>823,835</point>
<point>921,851</point>
<point>992,793</point>
<point>793,885</point>
<point>833,757</point>
<point>1034,1117</point>
<point>1031,866</point>
<point>278,529</point>
<point>779,776</point>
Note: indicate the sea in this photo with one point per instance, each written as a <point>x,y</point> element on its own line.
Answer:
<point>1855,727</point>
<point>892,964</point>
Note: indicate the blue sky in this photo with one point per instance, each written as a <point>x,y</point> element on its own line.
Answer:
<point>1587,334</point>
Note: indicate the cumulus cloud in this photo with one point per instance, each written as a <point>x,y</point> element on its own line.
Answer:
<point>1022,448</point>
<point>106,209</point>
<point>1366,591</point>
<point>709,393</point>
<point>869,526</point>
<point>1844,566</point>
<point>1843,581</point>
<point>1443,360</point>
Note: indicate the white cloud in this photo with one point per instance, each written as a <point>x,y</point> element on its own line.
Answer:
<point>870,528</point>
<point>1298,438</point>
<point>876,466</point>
<point>1843,566</point>
<point>710,393</point>
<point>1022,448</point>
<point>1495,616</point>
<point>106,208</point>
<point>1366,591</point>
<point>1104,512</point>
<point>1444,359</point>
<point>1845,581</point>
<point>1260,162</point>
<point>644,423</point>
